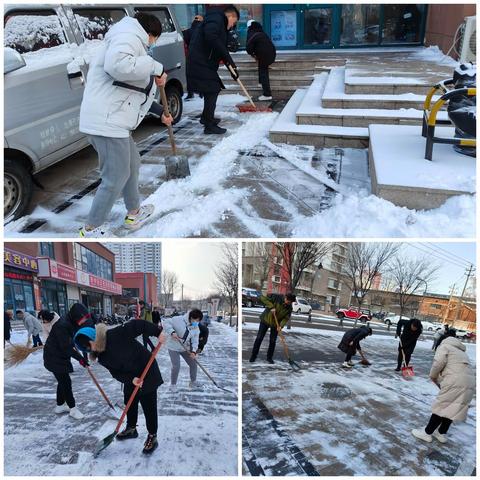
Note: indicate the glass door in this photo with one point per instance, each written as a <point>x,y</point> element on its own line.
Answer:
<point>318,26</point>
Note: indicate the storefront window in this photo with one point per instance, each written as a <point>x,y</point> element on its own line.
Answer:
<point>18,295</point>
<point>90,262</point>
<point>360,25</point>
<point>248,12</point>
<point>93,301</point>
<point>54,296</point>
<point>317,26</point>
<point>283,27</point>
<point>401,23</point>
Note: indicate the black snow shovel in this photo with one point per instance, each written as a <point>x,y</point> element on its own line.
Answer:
<point>103,444</point>
<point>176,165</point>
<point>295,366</point>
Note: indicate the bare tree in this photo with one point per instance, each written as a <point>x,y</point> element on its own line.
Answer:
<point>227,277</point>
<point>169,285</point>
<point>299,256</point>
<point>262,266</point>
<point>365,262</point>
<point>409,276</point>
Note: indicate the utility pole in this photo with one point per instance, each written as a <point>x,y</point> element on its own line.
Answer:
<point>447,310</point>
<point>469,274</point>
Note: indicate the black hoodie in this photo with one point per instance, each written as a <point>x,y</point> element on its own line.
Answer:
<point>259,45</point>
<point>59,347</point>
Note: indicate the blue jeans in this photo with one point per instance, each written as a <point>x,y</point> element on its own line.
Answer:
<point>37,341</point>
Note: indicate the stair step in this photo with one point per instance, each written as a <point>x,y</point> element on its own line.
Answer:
<point>274,82</point>
<point>285,130</point>
<point>283,93</point>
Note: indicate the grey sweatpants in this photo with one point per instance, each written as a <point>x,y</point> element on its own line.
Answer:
<point>119,165</point>
<point>175,358</point>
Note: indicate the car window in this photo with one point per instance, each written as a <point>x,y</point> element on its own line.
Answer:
<point>163,15</point>
<point>94,23</point>
<point>29,31</point>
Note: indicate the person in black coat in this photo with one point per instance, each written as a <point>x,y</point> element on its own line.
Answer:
<point>125,358</point>
<point>207,48</point>
<point>187,37</point>
<point>57,354</point>
<point>7,326</point>
<point>203,337</point>
<point>350,343</point>
<point>260,47</point>
<point>408,331</point>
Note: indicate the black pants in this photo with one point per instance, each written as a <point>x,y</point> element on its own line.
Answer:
<point>264,79</point>
<point>148,401</point>
<point>147,343</point>
<point>442,423</point>
<point>202,341</point>
<point>408,355</point>
<point>64,389</point>
<point>37,341</point>
<point>349,356</point>
<point>262,330</point>
<point>209,105</point>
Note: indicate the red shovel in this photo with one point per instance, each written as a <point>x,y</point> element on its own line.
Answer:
<point>407,371</point>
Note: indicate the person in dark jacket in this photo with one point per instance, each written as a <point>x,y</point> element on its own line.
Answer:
<point>203,336</point>
<point>350,343</point>
<point>156,318</point>
<point>7,326</point>
<point>187,37</point>
<point>260,47</point>
<point>278,310</point>
<point>408,331</point>
<point>119,352</point>
<point>58,351</point>
<point>207,48</point>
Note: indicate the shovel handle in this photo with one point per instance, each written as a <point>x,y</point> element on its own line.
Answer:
<point>280,334</point>
<point>232,71</point>
<point>166,111</point>
<point>100,389</point>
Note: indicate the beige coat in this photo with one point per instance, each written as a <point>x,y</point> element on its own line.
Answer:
<point>451,369</point>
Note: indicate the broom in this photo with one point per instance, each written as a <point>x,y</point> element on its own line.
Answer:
<point>16,354</point>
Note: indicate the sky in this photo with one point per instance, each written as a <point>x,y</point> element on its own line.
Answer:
<point>452,259</point>
<point>194,262</point>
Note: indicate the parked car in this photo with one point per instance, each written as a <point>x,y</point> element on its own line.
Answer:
<point>429,326</point>
<point>462,333</point>
<point>301,306</point>
<point>47,49</point>
<point>394,319</point>
<point>353,313</point>
<point>251,298</point>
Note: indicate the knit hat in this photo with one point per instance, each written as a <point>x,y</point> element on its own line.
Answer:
<point>88,332</point>
<point>249,23</point>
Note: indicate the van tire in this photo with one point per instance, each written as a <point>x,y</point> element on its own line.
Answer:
<point>175,102</point>
<point>18,189</point>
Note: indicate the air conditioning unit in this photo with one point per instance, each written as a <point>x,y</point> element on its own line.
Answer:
<point>468,47</point>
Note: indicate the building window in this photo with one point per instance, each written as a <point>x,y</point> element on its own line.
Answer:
<point>54,296</point>
<point>318,26</point>
<point>360,25</point>
<point>436,306</point>
<point>402,23</point>
<point>47,249</point>
<point>90,262</point>
<point>18,295</point>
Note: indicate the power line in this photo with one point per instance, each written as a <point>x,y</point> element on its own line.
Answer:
<point>434,254</point>
<point>442,251</point>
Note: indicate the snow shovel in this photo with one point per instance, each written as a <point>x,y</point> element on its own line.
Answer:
<point>295,366</point>
<point>100,389</point>
<point>407,371</point>
<point>250,105</point>
<point>103,444</point>
<point>176,165</point>
<point>206,372</point>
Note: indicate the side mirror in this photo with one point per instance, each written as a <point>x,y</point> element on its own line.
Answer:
<point>12,60</point>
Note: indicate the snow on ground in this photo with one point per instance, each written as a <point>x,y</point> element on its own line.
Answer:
<point>328,421</point>
<point>197,428</point>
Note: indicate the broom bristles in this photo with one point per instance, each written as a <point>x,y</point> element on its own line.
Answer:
<point>16,354</point>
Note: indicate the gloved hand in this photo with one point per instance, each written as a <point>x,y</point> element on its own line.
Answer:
<point>232,68</point>
<point>84,363</point>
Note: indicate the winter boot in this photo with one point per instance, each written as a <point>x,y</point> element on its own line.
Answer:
<point>270,361</point>
<point>214,130</point>
<point>97,232</point>
<point>135,221</point>
<point>252,359</point>
<point>64,408</point>
<point>129,432</point>
<point>439,436</point>
<point>76,413</point>
<point>347,365</point>
<point>421,435</point>
<point>151,444</point>
<point>216,121</point>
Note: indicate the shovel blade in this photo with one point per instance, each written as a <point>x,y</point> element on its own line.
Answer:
<point>176,166</point>
<point>103,444</point>
<point>407,372</point>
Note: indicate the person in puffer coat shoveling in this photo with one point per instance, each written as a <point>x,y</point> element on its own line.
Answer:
<point>262,49</point>
<point>350,343</point>
<point>57,352</point>
<point>120,89</point>
<point>277,307</point>
<point>33,327</point>
<point>125,358</point>
<point>452,373</point>
<point>183,333</point>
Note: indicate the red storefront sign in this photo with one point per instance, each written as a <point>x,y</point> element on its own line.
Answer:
<point>18,276</point>
<point>104,284</point>
<point>19,260</point>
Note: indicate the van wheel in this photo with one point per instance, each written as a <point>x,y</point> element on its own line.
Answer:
<point>175,102</point>
<point>17,189</point>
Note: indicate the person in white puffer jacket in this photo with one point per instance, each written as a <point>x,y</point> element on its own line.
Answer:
<point>120,89</point>
<point>183,332</point>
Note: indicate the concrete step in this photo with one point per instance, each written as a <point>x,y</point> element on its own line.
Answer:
<point>252,80</point>
<point>283,93</point>
<point>274,70</point>
<point>286,130</point>
<point>335,96</point>
<point>384,89</point>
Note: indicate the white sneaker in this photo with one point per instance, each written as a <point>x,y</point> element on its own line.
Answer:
<point>64,408</point>
<point>76,413</point>
<point>264,98</point>
<point>350,363</point>
<point>439,436</point>
<point>136,221</point>
<point>97,232</point>
<point>347,365</point>
<point>421,435</point>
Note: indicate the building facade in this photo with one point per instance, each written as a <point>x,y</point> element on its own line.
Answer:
<point>138,285</point>
<point>54,276</point>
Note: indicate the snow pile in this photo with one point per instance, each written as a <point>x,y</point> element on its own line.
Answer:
<point>434,54</point>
